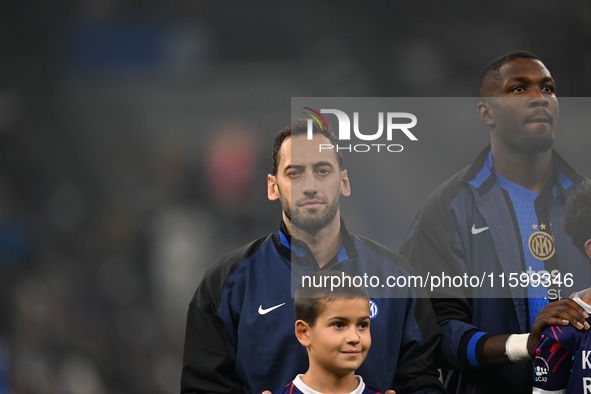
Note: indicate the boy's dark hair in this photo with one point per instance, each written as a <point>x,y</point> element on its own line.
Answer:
<point>577,216</point>
<point>299,126</point>
<point>312,296</point>
<point>489,75</point>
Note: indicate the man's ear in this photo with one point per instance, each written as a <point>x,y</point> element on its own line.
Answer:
<point>345,184</point>
<point>302,331</point>
<point>588,247</point>
<point>272,192</point>
<point>485,112</point>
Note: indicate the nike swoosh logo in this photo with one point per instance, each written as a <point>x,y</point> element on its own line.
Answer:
<point>478,230</point>
<point>267,310</point>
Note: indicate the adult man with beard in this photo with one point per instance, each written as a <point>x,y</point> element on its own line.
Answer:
<point>501,217</point>
<point>240,326</point>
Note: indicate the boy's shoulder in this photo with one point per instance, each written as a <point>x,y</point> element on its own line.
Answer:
<point>568,337</point>
<point>563,355</point>
<point>289,388</point>
<point>560,344</point>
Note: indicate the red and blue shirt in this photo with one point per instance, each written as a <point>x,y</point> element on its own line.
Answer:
<point>562,362</point>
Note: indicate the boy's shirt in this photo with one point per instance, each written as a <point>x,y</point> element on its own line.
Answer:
<point>562,361</point>
<point>297,386</point>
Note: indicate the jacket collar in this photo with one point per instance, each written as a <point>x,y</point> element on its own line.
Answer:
<point>481,174</point>
<point>298,251</point>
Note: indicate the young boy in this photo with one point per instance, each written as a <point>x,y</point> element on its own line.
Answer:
<point>562,361</point>
<point>333,320</point>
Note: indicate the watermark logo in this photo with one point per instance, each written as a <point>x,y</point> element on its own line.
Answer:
<point>315,115</point>
<point>390,125</point>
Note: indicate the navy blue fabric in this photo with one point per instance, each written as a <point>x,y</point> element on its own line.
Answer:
<point>441,238</point>
<point>266,278</point>
<point>523,203</point>
<point>260,351</point>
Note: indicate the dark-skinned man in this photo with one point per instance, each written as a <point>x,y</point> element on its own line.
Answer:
<point>501,216</point>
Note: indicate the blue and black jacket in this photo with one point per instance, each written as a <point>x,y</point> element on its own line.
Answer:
<point>466,227</point>
<point>240,328</point>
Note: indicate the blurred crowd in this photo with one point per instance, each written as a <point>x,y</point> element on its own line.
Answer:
<point>93,297</point>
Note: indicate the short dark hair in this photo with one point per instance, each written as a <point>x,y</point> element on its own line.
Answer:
<point>490,73</point>
<point>310,300</point>
<point>577,216</point>
<point>299,126</point>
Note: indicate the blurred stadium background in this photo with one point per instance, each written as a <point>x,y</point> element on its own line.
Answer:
<point>117,186</point>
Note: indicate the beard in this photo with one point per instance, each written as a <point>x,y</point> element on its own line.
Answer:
<point>537,144</point>
<point>310,222</point>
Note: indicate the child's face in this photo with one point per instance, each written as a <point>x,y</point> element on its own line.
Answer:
<point>340,339</point>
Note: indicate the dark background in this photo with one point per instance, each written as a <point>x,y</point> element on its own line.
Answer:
<point>135,141</point>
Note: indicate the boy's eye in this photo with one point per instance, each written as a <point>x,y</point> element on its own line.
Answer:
<point>338,324</point>
<point>364,325</point>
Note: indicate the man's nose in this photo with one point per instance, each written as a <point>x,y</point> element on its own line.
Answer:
<point>310,183</point>
<point>539,99</point>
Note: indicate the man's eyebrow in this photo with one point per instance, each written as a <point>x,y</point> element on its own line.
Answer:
<point>296,166</point>
<point>323,163</point>
<point>519,79</point>
<point>548,79</point>
<point>525,79</point>
<point>315,165</point>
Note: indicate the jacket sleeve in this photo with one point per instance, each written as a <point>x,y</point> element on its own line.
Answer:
<point>433,247</point>
<point>417,372</point>
<point>208,365</point>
